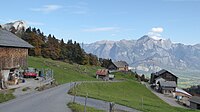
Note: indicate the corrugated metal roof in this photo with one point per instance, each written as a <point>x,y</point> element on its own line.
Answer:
<point>167,83</point>
<point>8,39</point>
<point>120,64</point>
<point>102,72</point>
<point>182,91</point>
<point>195,99</point>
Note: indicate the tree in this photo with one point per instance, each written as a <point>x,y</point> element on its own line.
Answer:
<point>93,60</point>
<point>51,48</point>
<point>105,62</point>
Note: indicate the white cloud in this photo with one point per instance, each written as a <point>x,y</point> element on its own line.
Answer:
<point>157,29</point>
<point>155,33</point>
<point>47,8</point>
<point>101,29</point>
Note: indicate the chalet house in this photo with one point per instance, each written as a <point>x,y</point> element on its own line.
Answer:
<point>13,53</point>
<point>166,75</point>
<point>119,66</point>
<point>167,87</point>
<point>194,102</point>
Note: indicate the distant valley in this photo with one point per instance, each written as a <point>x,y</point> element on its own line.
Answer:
<point>148,55</point>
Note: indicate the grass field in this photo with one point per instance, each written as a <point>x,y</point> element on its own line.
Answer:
<point>129,93</point>
<point>80,108</point>
<point>6,95</point>
<point>64,72</point>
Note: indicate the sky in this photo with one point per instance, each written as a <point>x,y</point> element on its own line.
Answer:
<point>88,21</point>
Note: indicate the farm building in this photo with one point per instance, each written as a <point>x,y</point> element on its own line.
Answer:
<point>104,74</point>
<point>194,102</point>
<point>167,87</point>
<point>166,75</point>
<point>13,53</point>
<point>119,66</point>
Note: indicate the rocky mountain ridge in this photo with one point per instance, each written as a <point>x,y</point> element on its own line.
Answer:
<point>149,54</point>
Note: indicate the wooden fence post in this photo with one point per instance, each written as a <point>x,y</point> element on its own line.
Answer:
<point>75,92</point>
<point>85,103</point>
<point>111,106</point>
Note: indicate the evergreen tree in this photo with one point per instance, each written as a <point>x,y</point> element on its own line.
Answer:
<point>50,47</point>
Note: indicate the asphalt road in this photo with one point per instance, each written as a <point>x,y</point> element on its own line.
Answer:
<point>53,100</point>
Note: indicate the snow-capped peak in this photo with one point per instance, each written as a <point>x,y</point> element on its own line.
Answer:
<point>16,26</point>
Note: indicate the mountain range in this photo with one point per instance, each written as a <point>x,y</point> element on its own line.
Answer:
<point>149,54</point>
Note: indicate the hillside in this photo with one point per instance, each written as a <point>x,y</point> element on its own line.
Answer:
<point>64,72</point>
<point>129,93</point>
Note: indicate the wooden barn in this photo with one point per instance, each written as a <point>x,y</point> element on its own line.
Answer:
<point>118,66</point>
<point>13,53</point>
<point>102,73</point>
<point>166,75</point>
<point>167,87</point>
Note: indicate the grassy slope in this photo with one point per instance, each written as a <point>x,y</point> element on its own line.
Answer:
<point>129,93</point>
<point>6,96</point>
<point>80,108</point>
<point>64,72</point>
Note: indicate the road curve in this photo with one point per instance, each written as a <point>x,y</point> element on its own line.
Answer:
<point>53,100</point>
<point>50,100</point>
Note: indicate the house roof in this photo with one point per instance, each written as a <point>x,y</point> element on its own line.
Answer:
<point>8,39</point>
<point>182,91</point>
<point>120,64</point>
<point>161,72</point>
<point>195,99</point>
<point>102,72</point>
<point>167,83</point>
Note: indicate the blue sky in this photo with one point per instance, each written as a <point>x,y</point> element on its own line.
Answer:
<point>93,20</point>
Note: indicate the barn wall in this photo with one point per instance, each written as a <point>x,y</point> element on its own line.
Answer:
<point>169,77</point>
<point>13,57</point>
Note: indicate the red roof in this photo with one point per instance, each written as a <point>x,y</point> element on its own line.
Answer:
<point>102,72</point>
